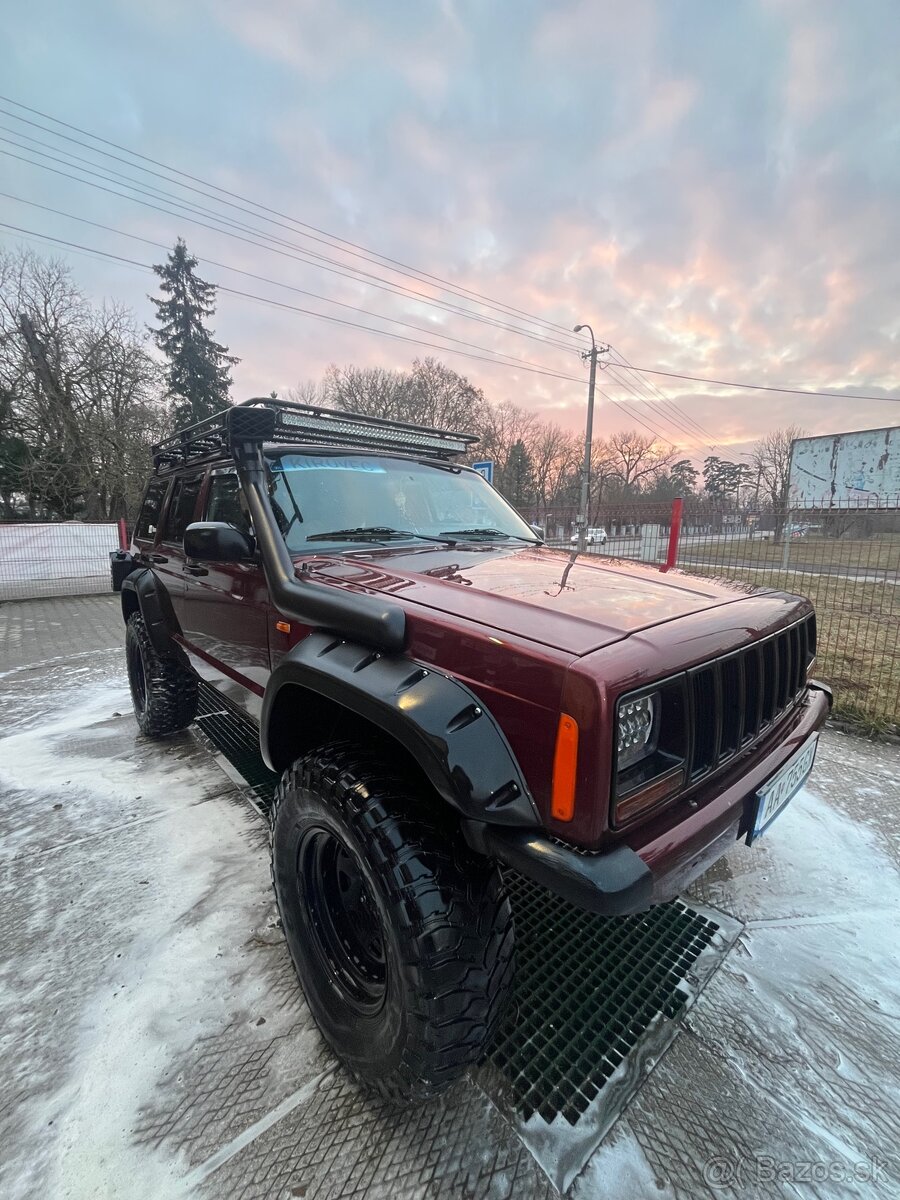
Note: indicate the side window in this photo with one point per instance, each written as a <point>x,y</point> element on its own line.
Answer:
<point>223,501</point>
<point>148,521</point>
<point>181,508</point>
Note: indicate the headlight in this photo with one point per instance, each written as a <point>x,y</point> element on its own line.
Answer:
<point>651,749</point>
<point>637,730</point>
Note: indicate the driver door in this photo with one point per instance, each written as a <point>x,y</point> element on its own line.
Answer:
<point>226,607</point>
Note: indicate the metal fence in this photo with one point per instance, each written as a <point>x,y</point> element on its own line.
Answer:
<point>69,558</point>
<point>844,557</point>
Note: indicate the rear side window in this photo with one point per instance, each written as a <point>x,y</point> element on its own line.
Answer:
<point>148,521</point>
<point>181,507</point>
<point>223,501</point>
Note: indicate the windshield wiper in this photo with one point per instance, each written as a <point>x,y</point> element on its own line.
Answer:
<point>379,533</point>
<point>489,533</point>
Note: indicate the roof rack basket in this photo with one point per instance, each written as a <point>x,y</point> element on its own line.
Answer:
<point>287,423</point>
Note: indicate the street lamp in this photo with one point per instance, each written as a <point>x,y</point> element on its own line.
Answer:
<point>588,437</point>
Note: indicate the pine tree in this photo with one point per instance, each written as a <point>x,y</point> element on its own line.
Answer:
<point>517,483</point>
<point>198,375</point>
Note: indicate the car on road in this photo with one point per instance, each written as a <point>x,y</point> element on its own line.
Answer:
<point>448,700</point>
<point>595,536</point>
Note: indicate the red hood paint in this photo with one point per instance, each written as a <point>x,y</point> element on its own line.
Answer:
<point>575,604</point>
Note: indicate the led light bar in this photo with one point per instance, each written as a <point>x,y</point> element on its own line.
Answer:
<point>329,427</point>
<point>285,422</point>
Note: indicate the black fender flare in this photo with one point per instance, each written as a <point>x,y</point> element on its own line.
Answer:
<point>438,720</point>
<point>155,607</point>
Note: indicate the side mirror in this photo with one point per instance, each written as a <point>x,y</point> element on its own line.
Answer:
<point>217,541</point>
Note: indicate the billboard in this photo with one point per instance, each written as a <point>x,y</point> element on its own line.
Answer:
<point>838,468</point>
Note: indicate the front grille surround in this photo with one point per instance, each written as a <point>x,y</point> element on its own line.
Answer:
<point>729,704</point>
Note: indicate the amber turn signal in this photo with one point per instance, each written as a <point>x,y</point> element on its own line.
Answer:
<point>565,762</point>
<point>283,626</point>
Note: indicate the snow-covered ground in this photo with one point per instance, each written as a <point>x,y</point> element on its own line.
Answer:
<point>786,1079</point>
<point>155,1044</point>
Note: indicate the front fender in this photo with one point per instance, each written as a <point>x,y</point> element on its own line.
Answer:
<point>142,590</point>
<point>443,725</point>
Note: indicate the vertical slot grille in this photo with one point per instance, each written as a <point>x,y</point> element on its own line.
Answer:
<point>752,692</point>
<point>703,694</point>
<point>785,670</point>
<point>796,660</point>
<point>732,706</point>
<point>735,698</point>
<point>769,680</point>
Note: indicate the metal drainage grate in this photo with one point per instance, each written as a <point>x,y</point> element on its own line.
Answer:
<point>586,989</point>
<point>236,736</point>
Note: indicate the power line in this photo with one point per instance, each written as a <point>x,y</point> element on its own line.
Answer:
<point>369,255</point>
<point>364,252</point>
<point>660,413</point>
<point>657,408</point>
<point>530,368</point>
<point>533,369</point>
<point>308,257</point>
<point>263,279</point>
<point>762,387</point>
<point>651,389</point>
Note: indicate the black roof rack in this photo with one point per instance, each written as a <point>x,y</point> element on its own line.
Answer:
<point>286,422</point>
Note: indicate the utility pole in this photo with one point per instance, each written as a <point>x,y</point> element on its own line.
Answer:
<point>584,508</point>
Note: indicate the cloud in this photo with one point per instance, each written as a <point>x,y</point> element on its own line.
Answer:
<point>714,187</point>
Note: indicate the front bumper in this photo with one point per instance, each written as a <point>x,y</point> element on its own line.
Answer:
<point>631,878</point>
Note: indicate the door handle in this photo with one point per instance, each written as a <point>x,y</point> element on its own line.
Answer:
<point>158,558</point>
<point>188,570</point>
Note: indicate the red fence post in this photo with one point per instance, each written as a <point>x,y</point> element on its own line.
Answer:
<point>123,534</point>
<point>674,535</point>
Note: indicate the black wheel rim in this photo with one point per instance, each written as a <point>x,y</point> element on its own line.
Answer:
<point>342,921</point>
<point>138,680</point>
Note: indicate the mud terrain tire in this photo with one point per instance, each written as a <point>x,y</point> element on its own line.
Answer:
<point>163,692</point>
<point>402,937</point>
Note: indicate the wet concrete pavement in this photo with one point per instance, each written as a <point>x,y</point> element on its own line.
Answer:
<point>155,1043</point>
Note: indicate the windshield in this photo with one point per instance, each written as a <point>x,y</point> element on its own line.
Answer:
<point>316,494</point>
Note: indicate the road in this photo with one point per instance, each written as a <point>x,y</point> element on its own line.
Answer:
<point>156,1044</point>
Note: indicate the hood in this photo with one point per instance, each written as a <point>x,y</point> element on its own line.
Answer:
<point>573,603</point>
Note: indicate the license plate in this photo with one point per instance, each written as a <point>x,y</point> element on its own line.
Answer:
<point>773,798</point>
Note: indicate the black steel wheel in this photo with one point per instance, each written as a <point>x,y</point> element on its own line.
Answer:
<point>164,694</point>
<point>401,936</point>
<point>341,920</point>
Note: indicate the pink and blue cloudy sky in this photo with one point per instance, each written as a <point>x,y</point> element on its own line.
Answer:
<point>714,186</point>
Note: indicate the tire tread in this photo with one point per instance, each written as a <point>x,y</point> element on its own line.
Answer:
<point>459,961</point>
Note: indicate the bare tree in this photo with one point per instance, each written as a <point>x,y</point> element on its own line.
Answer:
<point>122,386</point>
<point>80,396</point>
<point>505,426</point>
<point>307,391</point>
<point>555,455</point>
<point>638,459</point>
<point>437,395</point>
<point>604,473</point>
<point>372,390</point>
<point>772,460</point>
<point>41,312</point>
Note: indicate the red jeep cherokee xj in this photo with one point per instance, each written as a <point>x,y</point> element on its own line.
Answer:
<point>445,695</point>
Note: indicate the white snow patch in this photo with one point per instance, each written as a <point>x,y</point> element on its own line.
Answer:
<point>620,1169</point>
<point>175,968</point>
<point>173,985</point>
<point>819,862</point>
<point>55,761</point>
